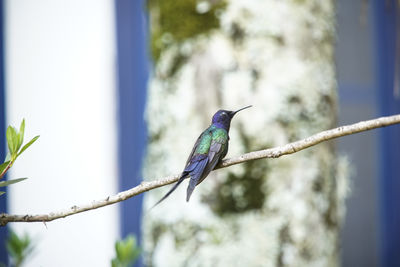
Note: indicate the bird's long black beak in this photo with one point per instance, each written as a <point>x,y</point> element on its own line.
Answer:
<point>234,112</point>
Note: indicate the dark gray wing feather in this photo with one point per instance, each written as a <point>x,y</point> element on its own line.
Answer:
<point>214,157</point>
<point>195,174</point>
<point>206,166</point>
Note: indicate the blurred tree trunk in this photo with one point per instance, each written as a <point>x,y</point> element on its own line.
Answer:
<point>279,57</point>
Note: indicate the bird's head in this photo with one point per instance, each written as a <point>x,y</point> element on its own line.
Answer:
<point>222,118</point>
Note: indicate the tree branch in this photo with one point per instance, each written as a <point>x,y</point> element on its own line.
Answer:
<point>266,153</point>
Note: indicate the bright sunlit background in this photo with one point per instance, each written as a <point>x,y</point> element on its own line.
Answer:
<point>78,70</point>
<point>60,76</point>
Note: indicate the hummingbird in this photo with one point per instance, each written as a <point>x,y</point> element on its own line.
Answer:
<point>210,148</point>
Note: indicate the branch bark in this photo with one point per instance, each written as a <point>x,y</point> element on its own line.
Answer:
<point>266,153</point>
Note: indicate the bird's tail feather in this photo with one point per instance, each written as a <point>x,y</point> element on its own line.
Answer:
<point>183,177</point>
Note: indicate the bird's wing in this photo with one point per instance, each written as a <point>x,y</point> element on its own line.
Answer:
<point>196,171</point>
<point>198,160</point>
<point>216,153</point>
<point>214,157</point>
<point>208,161</point>
<point>195,163</point>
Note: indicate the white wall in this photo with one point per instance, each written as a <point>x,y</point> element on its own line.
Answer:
<point>60,77</point>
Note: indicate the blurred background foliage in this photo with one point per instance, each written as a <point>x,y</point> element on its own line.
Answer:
<point>19,248</point>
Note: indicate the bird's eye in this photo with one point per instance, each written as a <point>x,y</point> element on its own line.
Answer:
<point>223,114</point>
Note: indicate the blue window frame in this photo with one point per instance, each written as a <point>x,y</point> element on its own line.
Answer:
<point>387,31</point>
<point>132,88</point>
<point>3,199</point>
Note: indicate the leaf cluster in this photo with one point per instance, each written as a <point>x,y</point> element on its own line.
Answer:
<point>127,252</point>
<point>15,140</point>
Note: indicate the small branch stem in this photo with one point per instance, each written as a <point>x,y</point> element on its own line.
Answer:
<point>6,169</point>
<point>266,153</point>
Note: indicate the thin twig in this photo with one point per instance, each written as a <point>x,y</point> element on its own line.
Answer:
<point>266,153</point>
<point>6,169</point>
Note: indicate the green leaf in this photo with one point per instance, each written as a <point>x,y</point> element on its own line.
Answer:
<point>28,144</point>
<point>21,134</point>
<point>5,183</point>
<point>3,166</point>
<point>12,140</point>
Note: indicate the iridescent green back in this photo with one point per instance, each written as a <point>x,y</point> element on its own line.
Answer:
<point>212,134</point>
